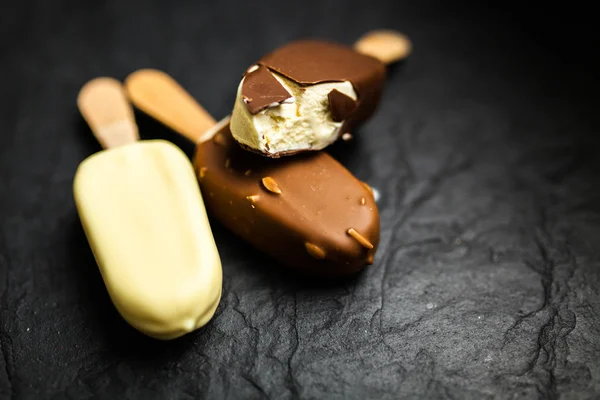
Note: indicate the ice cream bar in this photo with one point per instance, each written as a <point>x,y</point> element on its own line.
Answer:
<point>306,94</point>
<point>308,212</point>
<point>144,217</point>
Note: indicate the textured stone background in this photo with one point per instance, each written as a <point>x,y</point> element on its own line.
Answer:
<point>485,154</point>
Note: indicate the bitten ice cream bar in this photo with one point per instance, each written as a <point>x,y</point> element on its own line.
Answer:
<point>306,94</point>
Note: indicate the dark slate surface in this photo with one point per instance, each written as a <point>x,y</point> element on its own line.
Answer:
<point>485,152</point>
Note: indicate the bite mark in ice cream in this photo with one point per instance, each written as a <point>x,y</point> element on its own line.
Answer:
<point>331,88</point>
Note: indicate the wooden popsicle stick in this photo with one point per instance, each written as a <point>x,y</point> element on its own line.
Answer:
<point>386,45</point>
<point>158,95</point>
<point>103,104</point>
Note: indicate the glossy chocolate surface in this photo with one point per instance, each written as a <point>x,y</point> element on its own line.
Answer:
<point>299,209</point>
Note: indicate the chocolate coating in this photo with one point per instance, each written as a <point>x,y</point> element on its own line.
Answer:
<point>312,61</point>
<point>260,89</point>
<point>341,106</point>
<point>303,221</point>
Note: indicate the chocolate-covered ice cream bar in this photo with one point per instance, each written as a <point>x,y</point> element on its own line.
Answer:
<point>306,94</point>
<point>308,212</point>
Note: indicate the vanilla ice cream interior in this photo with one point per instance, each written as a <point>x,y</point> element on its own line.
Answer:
<point>301,122</point>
